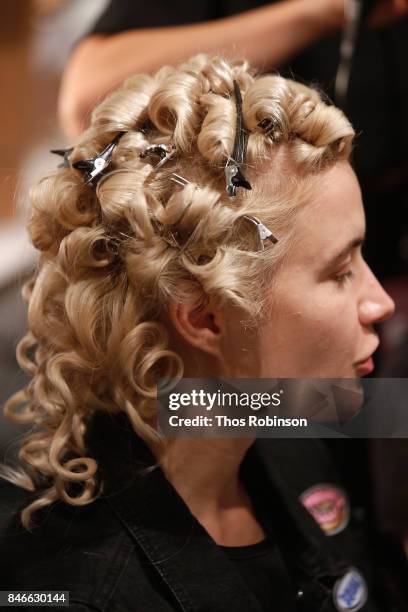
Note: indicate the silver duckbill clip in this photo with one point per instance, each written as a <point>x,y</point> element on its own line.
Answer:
<point>263,232</point>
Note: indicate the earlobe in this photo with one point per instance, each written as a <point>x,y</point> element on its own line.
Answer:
<point>199,326</point>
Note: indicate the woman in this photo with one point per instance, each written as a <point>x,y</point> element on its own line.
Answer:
<point>207,224</point>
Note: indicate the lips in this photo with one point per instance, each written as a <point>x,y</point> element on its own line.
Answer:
<point>365,367</point>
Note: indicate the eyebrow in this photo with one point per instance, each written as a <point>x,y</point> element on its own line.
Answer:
<point>350,246</point>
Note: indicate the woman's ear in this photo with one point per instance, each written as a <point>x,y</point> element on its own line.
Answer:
<point>200,326</point>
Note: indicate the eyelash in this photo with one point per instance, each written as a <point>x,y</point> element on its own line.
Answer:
<point>343,278</point>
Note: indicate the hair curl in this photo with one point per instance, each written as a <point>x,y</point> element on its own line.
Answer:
<point>96,340</point>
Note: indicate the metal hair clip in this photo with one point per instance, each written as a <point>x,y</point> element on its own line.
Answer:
<point>170,234</point>
<point>163,151</point>
<point>95,165</point>
<point>180,180</point>
<point>269,127</point>
<point>263,232</point>
<point>64,153</point>
<point>165,234</point>
<point>233,173</point>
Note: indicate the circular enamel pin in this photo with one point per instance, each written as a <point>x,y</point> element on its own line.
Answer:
<point>350,591</point>
<point>329,507</point>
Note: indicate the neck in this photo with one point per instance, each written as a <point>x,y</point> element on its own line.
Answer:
<point>205,472</point>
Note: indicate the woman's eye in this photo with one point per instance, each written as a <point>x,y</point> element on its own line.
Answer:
<point>341,279</point>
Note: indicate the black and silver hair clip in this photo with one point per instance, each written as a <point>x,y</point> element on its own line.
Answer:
<point>233,173</point>
<point>270,128</point>
<point>64,153</point>
<point>263,232</point>
<point>95,165</point>
<point>164,152</point>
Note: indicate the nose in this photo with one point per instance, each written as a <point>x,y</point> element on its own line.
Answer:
<point>376,305</point>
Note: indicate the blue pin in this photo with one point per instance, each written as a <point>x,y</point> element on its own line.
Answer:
<point>350,592</point>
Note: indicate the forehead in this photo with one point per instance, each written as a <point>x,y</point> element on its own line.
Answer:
<point>332,217</point>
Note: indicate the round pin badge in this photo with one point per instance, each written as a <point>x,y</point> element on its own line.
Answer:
<point>350,592</point>
<point>329,507</point>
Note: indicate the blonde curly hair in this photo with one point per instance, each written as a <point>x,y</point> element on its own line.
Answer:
<point>96,337</point>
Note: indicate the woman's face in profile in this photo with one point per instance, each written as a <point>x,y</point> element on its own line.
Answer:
<point>327,298</point>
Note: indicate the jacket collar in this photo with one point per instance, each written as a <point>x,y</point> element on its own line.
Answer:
<point>177,545</point>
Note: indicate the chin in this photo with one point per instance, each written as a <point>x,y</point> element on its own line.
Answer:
<point>353,374</point>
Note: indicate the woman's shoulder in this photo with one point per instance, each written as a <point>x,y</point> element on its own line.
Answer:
<point>67,548</point>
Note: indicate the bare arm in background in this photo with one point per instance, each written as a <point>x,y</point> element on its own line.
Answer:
<point>267,36</point>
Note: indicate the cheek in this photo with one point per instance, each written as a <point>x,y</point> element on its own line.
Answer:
<point>314,337</point>
<point>333,332</point>
<point>335,313</point>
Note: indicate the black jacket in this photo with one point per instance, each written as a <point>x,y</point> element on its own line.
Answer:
<point>138,548</point>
